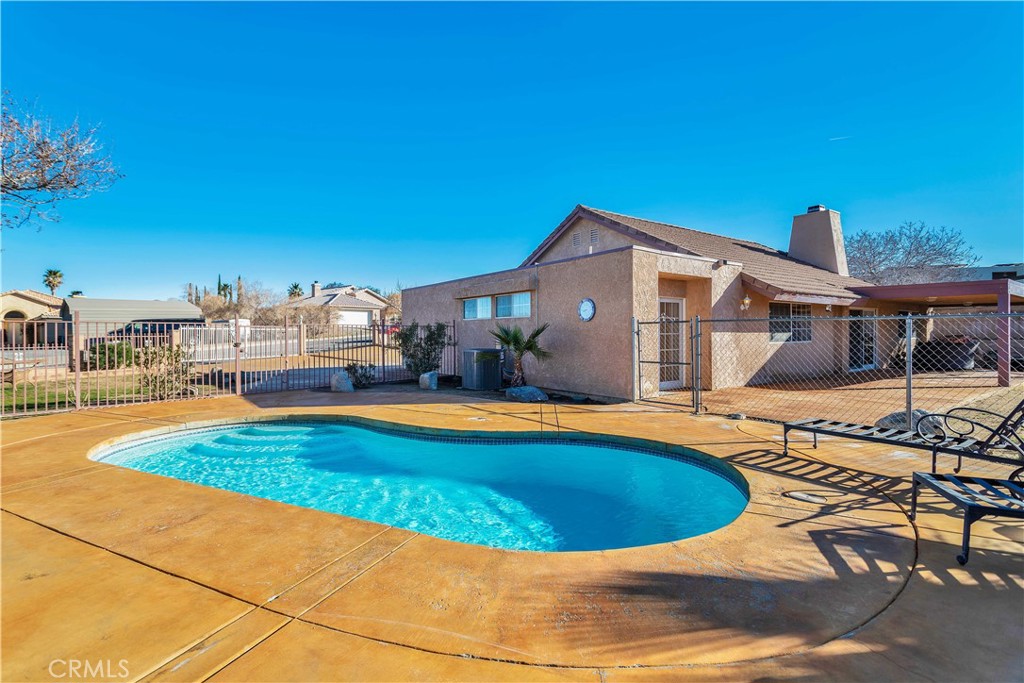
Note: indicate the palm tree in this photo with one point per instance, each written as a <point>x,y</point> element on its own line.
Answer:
<point>53,279</point>
<point>295,291</point>
<point>513,339</point>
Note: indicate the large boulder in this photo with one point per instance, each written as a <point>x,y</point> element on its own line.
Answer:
<point>340,381</point>
<point>525,394</point>
<point>898,420</point>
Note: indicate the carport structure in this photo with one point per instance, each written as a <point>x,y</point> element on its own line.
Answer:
<point>1002,294</point>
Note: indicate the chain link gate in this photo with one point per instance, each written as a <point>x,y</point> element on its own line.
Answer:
<point>668,360</point>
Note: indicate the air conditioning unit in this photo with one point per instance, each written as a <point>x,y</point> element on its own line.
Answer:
<point>481,369</point>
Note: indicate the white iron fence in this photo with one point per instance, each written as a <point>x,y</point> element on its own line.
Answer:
<point>79,365</point>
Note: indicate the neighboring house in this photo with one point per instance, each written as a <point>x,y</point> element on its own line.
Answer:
<point>955,273</point>
<point>599,271</point>
<point>99,319</point>
<point>28,318</point>
<point>1000,271</point>
<point>89,310</point>
<point>349,305</point>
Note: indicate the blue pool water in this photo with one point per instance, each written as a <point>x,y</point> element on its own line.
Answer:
<point>520,495</point>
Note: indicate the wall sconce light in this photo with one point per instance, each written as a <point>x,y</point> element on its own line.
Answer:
<point>931,299</point>
<point>828,308</point>
<point>745,303</point>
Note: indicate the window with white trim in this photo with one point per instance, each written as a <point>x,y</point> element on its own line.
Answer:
<point>512,305</point>
<point>789,322</point>
<point>476,309</point>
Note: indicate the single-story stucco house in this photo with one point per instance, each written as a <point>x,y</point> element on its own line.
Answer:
<point>349,305</point>
<point>598,272</point>
<point>28,318</point>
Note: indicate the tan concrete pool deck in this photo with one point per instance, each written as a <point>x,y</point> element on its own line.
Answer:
<point>187,583</point>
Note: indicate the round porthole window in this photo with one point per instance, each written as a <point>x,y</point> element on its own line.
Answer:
<point>587,309</point>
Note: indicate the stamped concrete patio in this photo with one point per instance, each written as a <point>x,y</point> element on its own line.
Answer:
<point>184,583</point>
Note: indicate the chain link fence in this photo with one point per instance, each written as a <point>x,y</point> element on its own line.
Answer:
<point>860,369</point>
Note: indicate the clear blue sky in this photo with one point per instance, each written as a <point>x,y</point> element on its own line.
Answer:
<point>421,142</point>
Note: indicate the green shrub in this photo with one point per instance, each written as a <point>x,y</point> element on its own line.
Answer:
<point>165,371</point>
<point>361,374</point>
<point>108,356</point>
<point>422,351</point>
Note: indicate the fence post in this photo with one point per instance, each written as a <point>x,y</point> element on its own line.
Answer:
<point>378,333</point>
<point>1004,339</point>
<point>238,356</point>
<point>695,351</point>
<point>640,363</point>
<point>76,337</point>
<point>909,334</point>
<point>284,381</point>
<point>634,373</point>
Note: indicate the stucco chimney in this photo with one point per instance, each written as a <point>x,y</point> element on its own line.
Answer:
<point>314,289</point>
<point>817,238</point>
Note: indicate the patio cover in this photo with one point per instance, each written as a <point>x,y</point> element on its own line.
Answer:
<point>1002,293</point>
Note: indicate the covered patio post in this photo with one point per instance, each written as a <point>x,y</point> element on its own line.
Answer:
<point>1003,338</point>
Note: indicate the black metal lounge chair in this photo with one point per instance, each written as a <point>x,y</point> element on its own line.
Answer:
<point>977,496</point>
<point>952,433</point>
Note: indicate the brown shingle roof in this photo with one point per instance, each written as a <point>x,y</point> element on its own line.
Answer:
<point>762,263</point>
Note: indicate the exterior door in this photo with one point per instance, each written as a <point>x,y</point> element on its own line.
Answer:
<point>671,344</point>
<point>862,341</point>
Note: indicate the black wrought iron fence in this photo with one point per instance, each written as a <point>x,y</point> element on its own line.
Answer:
<point>72,365</point>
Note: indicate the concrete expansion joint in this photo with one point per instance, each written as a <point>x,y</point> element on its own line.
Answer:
<point>123,556</point>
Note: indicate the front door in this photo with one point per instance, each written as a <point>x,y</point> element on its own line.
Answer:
<point>671,344</point>
<point>862,340</point>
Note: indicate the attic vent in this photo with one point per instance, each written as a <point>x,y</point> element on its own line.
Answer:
<point>576,239</point>
<point>593,235</point>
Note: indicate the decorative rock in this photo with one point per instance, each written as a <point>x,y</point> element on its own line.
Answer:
<point>525,394</point>
<point>736,416</point>
<point>898,420</point>
<point>340,381</point>
<point>428,380</point>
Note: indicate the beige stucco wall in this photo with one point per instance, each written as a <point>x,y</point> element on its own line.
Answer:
<point>31,309</point>
<point>592,358</point>
<point>18,332</point>
<point>743,352</point>
<point>607,239</point>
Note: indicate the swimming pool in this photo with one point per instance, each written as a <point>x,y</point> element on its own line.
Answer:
<point>513,493</point>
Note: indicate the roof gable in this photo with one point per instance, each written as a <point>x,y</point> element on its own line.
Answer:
<point>771,269</point>
<point>33,295</point>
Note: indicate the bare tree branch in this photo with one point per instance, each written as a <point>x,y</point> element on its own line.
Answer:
<point>41,166</point>
<point>909,254</point>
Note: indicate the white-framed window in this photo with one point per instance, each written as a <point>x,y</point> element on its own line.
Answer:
<point>476,309</point>
<point>789,322</point>
<point>512,305</point>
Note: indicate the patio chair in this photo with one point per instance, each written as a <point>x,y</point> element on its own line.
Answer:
<point>951,433</point>
<point>979,497</point>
